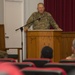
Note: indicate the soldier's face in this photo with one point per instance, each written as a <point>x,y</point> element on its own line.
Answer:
<point>41,8</point>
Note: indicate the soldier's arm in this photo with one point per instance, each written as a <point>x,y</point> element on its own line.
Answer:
<point>53,23</point>
<point>30,21</point>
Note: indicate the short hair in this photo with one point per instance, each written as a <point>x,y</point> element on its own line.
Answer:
<point>47,52</point>
<point>73,43</point>
<point>41,4</point>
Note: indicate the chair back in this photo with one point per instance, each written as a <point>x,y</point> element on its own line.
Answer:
<point>68,67</point>
<point>38,62</point>
<point>67,61</point>
<point>24,65</point>
<point>7,60</point>
<point>43,71</point>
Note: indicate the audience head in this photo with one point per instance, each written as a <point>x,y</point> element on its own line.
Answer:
<point>73,46</point>
<point>47,52</point>
<point>41,8</point>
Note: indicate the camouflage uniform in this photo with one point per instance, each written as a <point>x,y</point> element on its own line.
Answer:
<point>44,23</point>
<point>71,57</point>
<point>3,54</point>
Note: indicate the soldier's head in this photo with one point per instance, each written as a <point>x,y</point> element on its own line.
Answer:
<point>41,8</point>
<point>73,46</point>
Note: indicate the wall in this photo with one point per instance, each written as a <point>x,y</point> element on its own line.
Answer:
<point>1,12</point>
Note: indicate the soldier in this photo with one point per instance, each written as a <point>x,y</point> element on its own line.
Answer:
<point>41,19</point>
<point>73,50</point>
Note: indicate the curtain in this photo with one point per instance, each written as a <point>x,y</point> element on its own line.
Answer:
<point>63,12</point>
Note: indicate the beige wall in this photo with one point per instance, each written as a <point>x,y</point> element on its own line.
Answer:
<point>1,12</point>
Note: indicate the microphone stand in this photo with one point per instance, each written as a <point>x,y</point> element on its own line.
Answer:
<point>29,23</point>
<point>21,29</point>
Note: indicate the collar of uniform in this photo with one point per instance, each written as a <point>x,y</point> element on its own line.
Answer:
<point>41,14</point>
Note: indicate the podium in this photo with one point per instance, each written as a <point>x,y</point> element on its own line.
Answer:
<point>37,39</point>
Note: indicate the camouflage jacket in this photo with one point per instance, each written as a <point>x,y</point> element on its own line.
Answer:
<point>45,21</point>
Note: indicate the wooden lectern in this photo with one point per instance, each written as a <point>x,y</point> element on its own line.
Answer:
<point>37,39</point>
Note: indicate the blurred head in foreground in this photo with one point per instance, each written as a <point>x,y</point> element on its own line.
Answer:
<point>9,69</point>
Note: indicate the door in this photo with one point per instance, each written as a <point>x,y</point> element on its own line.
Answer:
<point>13,19</point>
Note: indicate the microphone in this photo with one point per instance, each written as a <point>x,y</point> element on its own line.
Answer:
<point>40,18</point>
<point>16,29</point>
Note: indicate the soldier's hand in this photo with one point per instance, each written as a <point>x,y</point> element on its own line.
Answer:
<point>60,29</point>
<point>26,29</point>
